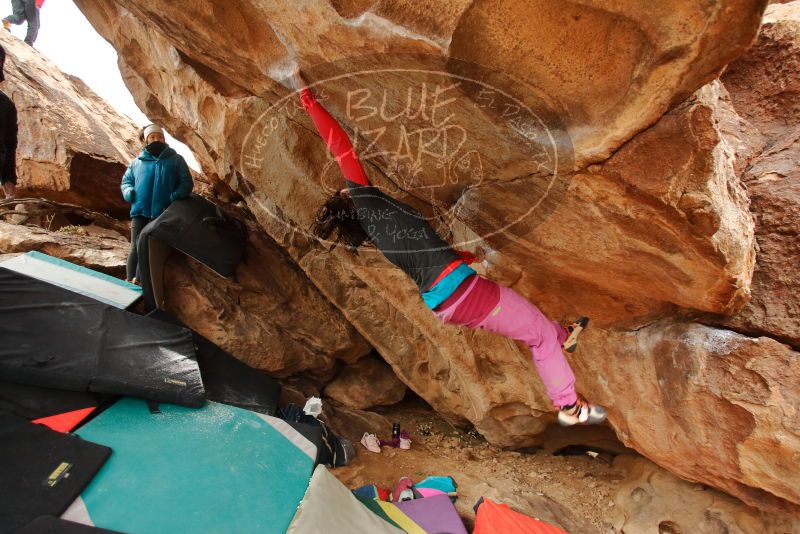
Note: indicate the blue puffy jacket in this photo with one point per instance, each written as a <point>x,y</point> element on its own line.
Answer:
<point>152,183</point>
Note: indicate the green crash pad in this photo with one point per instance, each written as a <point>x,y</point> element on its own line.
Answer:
<point>214,469</point>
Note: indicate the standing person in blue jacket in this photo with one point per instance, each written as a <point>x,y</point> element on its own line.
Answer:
<point>152,182</point>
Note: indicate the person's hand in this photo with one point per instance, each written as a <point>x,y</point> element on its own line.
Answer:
<point>480,253</point>
<point>297,76</point>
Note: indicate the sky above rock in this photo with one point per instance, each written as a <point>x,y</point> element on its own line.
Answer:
<point>67,39</point>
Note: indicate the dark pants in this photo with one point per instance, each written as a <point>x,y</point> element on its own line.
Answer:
<point>137,225</point>
<point>25,10</point>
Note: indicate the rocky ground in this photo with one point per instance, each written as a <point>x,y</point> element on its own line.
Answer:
<point>575,491</point>
<point>599,488</point>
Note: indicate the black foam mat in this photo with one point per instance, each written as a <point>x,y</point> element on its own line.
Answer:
<point>196,227</point>
<point>42,471</point>
<point>48,524</point>
<point>55,338</point>
<point>229,380</point>
<point>311,433</point>
<point>33,402</point>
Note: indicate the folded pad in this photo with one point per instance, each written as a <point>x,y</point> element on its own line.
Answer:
<point>227,379</point>
<point>75,278</point>
<point>328,506</point>
<point>42,471</point>
<point>56,408</point>
<point>434,514</point>
<point>443,484</point>
<point>58,339</point>
<point>494,518</point>
<point>196,227</point>
<point>398,517</point>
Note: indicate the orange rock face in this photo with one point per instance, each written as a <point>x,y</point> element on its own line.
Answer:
<point>73,146</point>
<point>581,143</point>
<point>268,315</point>
<point>688,396</point>
<point>90,246</point>
<point>652,500</point>
<point>765,90</point>
<point>370,382</point>
<point>764,84</point>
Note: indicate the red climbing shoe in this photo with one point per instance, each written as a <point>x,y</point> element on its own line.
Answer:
<point>574,330</point>
<point>581,413</point>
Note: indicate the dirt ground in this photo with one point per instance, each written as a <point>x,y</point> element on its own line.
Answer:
<point>574,492</point>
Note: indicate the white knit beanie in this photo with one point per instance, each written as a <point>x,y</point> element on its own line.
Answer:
<point>153,128</point>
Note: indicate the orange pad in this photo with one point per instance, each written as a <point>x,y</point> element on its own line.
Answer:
<point>493,518</point>
<point>64,422</point>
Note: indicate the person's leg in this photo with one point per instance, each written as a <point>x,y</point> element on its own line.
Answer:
<point>137,225</point>
<point>515,317</point>
<point>17,15</point>
<point>512,316</point>
<point>32,14</point>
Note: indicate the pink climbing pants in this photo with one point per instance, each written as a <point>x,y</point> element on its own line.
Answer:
<point>518,319</point>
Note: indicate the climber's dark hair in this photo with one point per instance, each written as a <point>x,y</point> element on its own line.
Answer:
<point>337,221</point>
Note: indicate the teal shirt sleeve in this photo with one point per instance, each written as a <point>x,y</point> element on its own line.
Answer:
<point>447,285</point>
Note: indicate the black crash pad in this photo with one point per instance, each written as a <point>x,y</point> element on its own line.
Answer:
<point>48,524</point>
<point>42,471</point>
<point>229,380</point>
<point>196,227</point>
<point>33,402</point>
<point>54,338</point>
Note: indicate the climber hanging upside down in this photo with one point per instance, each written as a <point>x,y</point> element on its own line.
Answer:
<point>363,214</point>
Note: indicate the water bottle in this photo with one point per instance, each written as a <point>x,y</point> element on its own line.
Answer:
<point>396,431</point>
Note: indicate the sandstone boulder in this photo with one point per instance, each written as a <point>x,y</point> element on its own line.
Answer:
<point>369,382</point>
<point>765,83</point>
<point>765,91</point>
<point>352,423</point>
<point>652,500</point>
<point>269,315</point>
<point>708,404</point>
<point>73,146</point>
<point>613,69</point>
<point>773,182</point>
<point>662,223</point>
<point>90,246</point>
<point>658,227</point>
<point>283,195</point>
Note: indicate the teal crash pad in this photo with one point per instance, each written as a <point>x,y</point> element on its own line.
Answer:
<point>214,469</point>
